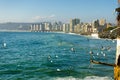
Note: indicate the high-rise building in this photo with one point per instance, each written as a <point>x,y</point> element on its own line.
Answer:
<point>73,23</point>
<point>31,27</point>
<point>55,26</point>
<point>99,25</point>
<point>60,26</point>
<point>84,27</point>
<point>42,26</point>
<point>102,22</point>
<point>47,26</point>
<point>103,25</point>
<point>77,28</point>
<point>109,25</point>
<point>37,27</point>
<point>95,26</point>
<point>66,28</point>
<point>34,27</point>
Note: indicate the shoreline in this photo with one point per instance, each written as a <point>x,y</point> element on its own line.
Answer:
<point>87,36</point>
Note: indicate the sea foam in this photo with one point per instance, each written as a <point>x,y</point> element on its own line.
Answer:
<point>86,78</point>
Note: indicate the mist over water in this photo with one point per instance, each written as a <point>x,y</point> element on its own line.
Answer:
<point>54,56</point>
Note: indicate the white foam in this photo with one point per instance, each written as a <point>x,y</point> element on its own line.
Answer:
<point>97,78</point>
<point>86,78</point>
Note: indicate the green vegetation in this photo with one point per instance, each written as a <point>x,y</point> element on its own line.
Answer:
<point>108,34</point>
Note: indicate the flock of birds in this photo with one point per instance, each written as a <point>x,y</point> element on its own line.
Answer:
<point>4,45</point>
<point>91,53</point>
<point>101,52</point>
<point>56,56</point>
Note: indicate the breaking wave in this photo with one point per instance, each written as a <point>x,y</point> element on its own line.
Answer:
<point>86,78</point>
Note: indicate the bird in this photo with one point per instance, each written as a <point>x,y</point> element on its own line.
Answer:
<point>58,70</point>
<point>91,52</point>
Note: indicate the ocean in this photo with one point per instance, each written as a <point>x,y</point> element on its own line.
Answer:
<point>54,56</point>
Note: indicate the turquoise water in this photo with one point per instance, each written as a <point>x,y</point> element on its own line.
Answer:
<point>54,56</point>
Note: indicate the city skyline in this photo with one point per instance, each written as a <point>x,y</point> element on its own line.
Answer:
<point>57,10</point>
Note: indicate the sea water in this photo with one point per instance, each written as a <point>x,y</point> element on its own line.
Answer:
<point>54,56</point>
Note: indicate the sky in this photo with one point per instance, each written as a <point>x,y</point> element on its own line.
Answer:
<point>57,10</point>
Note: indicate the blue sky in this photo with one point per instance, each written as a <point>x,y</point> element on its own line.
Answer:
<point>56,10</point>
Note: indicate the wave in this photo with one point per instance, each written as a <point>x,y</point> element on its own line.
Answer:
<point>86,78</point>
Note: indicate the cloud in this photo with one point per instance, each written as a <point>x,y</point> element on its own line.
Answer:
<point>52,16</point>
<point>36,18</point>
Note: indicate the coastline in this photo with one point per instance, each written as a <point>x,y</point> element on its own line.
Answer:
<point>87,36</point>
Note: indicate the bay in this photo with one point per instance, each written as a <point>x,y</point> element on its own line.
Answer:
<point>54,56</point>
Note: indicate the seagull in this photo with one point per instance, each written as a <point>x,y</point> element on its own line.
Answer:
<point>104,54</point>
<point>97,54</point>
<point>4,45</point>
<point>51,61</point>
<point>91,52</point>
<point>56,56</point>
<point>72,49</point>
<point>49,56</point>
<point>58,69</point>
